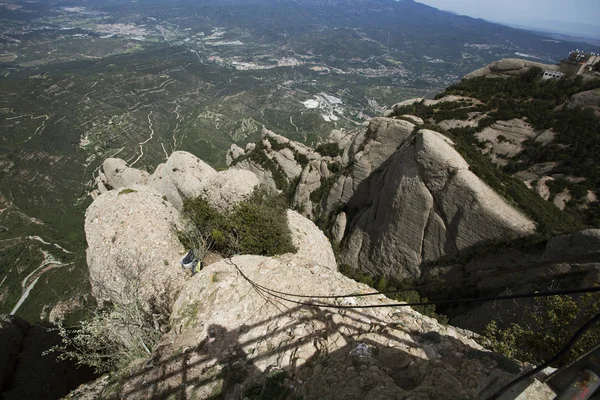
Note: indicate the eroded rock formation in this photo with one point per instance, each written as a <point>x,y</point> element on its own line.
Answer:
<point>407,197</point>
<point>423,203</point>
<point>131,233</point>
<point>508,67</point>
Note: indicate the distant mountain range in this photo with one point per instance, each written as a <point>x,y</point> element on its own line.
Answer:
<point>564,27</point>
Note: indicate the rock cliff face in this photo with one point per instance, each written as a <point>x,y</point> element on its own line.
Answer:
<point>421,204</point>
<point>589,99</point>
<point>118,175</point>
<point>229,338</point>
<point>238,342</point>
<point>131,233</point>
<point>407,197</point>
<point>394,197</point>
<point>131,230</point>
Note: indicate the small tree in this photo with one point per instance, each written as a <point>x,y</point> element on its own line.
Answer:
<point>257,225</point>
<point>126,328</point>
<point>546,328</point>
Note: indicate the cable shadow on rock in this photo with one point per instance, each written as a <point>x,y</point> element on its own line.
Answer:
<point>314,354</point>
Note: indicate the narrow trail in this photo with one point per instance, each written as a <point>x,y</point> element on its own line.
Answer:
<point>292,122</point>
<point>165,151</point>
<point>24,296</point>
<point>39,239</point>
<point>91,91</point>
<point>169,81</point>
<point>198,54</point>
<point>134,106</point>
<point>178,119</point>
<point>27,115</point>
<point>39,128</point>
<point>48,264</point>
<point>145,141</point>
<point>48,259</point>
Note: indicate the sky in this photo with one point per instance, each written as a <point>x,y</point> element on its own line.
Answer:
<point>557,15</point>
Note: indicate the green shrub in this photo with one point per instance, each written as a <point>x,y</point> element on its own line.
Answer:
<point>326,184</point>
<point>262,226</point>
<point>128,329</point>
<point>579,191</point>
<point>255,226</point>
<point>127,191</point>
<point>557,186</point>
<point>301,158</point>
<point>550,220</point>
<point>545,328</point>
<point>259,156</point>
<point>329,149</point>
<point>334,167</point>
<point>275,145</point>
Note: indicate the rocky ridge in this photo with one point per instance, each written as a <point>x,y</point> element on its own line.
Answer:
<point>230,338</point>
<point>508,67</point>
<point>395,196</point>
<point>369,192</point>
<point>237,343</point>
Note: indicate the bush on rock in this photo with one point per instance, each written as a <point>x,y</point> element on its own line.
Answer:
<point>255,226</point>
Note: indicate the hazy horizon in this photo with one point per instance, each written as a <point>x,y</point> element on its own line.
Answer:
<point>576,17</point>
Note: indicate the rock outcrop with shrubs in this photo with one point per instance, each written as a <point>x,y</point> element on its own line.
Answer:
<point>233,338</point>
<point>427,193</point>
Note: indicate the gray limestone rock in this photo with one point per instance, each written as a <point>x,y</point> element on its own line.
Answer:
<point>117,174</point>
<point>310,180</point>
<point>287,162</point>
<point>311,243</point>
<point>384,136</point>
<point>508,67</point>
<point>131,236</point>
<point>423,203</point>
<point>589,99</point>
<point>576,244</point>
<point>414,119</point>
<point>235,338</point>
<point>265,177</point>
<point>227,188</point>
<point>181,177</point>
<point>233,153</point>
<point>339,227</point>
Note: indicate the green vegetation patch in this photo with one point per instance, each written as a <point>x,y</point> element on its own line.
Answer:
<point>255,226</point>
<point>577,143</point>
<point>546,328</point>
<point>259,156</point>
<point>575,146</point>
<point>329,149</point>
<point>550,220</point>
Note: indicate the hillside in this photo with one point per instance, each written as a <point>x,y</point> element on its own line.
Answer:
<point>473,193</point>
<point>446,195</point>
<point>85,81</point>
<point>230,331</point>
